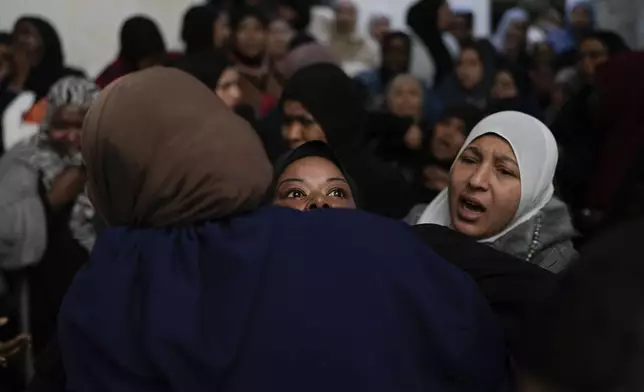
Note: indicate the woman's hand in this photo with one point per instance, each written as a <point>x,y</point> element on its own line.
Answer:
<point>12,347</point>
<point>414,138</point>
<point>67,186</point>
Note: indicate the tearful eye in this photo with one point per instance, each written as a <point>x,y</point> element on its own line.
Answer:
<point>295,194</point>
<point>467,159</point>
<point>339,193</point>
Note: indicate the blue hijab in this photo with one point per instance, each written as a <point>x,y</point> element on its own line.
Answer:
<point>251,299</point>
<point>563,40</point>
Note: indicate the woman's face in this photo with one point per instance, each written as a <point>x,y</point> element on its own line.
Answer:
<point>592,54</point>
<point>299,126</point>
<point>448,138</point>
<point>311,183</point>
<point>444,17</point>
<point>405,98</point>
<point>379,27</point>
<point>279,35</point>
<point>228,88</point>
<point>27,37</point>
<point>395,57</point>
<point>484,187</point>
<point>251,37</point>
<point>580,18</point>
<point>516,34</point>
<point>469,69</point>
<point>504,86</point>
<point>65,129</point>
<point>221,30</point>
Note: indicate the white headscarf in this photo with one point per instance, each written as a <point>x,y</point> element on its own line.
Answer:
<point>536,151</point>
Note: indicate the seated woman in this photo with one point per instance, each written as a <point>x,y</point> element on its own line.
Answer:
<point>45,218</point>
<point>470,81</point>
<point>501,193</point>
<point>215,293</point>
<point>439,150</point>
<point>216,72</point>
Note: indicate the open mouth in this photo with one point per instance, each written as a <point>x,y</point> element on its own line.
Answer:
<point>470,209</point>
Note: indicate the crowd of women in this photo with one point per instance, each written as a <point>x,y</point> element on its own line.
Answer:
<point>289,204</point>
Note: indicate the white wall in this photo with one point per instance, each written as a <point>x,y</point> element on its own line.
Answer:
<point>89,28</point>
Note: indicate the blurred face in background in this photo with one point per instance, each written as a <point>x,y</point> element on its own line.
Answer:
<point>461,27</point>
<point>592,53</point>
<point>346,17</point>
<point>299,126</point>
<point>251,37</point>
<point>444,17</point>
<point>581,19</point>
<point>448,138</point>
<point>221,30</point>
<point>27,37</point>
<point>279,36</point>
<point>516,35</point>
<point>378,27</point>
<point>505,86</point>
<point>65,129</point>
<point>470,68</point>
<point>405,97</point>
<point>5,59</point>
<point>313,182</point>
<point>395,55</point>
<point>228,88</point>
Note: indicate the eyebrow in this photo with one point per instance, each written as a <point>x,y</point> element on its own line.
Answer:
<point>505,158</point>
<point>299,180</point>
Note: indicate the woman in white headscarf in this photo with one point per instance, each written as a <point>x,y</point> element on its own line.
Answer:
<point>501,192</point>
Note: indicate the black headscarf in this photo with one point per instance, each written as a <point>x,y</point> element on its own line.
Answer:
<point>302,9</point>
<point>336,103</point>
<point>310,149</point>
<point>238,16</point>
<point>140,39</point>
<point>333,99</point>
<point>386,75</point>
<point>611,40</point>
<point>207,66</point>
<point>51,66</point>
<point>197,29</point>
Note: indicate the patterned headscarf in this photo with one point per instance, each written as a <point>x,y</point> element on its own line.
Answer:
<point>69,91</point>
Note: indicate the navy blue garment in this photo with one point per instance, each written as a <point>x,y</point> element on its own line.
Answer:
<point>277,300</point>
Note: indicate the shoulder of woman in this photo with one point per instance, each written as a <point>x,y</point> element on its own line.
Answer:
<point>556,258</point>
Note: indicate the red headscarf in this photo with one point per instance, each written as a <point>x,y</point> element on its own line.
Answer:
<point>620,85</point>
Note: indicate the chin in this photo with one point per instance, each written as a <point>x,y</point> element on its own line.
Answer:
<point>469,229</point>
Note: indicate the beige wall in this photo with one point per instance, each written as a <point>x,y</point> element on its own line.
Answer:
<point>89,28</point>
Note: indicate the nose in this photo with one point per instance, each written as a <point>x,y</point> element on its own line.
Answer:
<point>293,134</point>
<point>479,180</point>
<point>317,202</point>
<point>235,93</point>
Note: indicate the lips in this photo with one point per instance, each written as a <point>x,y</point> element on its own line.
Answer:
<point>470,209</point>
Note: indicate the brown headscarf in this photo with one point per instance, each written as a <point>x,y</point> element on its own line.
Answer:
<point>162,150</point>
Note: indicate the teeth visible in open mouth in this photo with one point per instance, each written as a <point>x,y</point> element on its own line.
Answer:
<point>474,207</point>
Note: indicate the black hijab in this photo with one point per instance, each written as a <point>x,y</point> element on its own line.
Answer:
<point>310,149</point>
<point>140,39</point>
<point>197,31</point>
<point>338,110</point>
<point>51,66</point>
<point>207,66</point>
<point>386,75</point>
<point>302,10</point>
<point>238,16</point>
<point>336,103</point>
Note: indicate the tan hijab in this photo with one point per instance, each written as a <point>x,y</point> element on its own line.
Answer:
<point>161,149</point>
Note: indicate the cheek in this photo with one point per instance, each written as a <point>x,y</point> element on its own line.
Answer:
<point>57,135</point>
<point>314,133</point>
